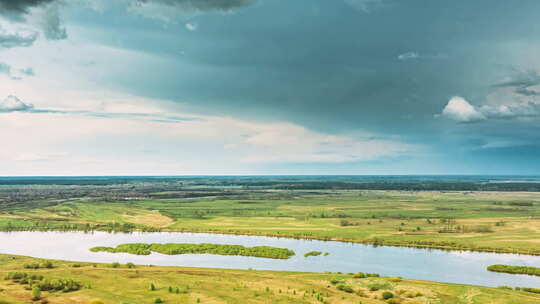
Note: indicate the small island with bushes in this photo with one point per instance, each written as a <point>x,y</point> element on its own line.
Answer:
<point>535,271</point>
<point>315,253</point>
<point>178,248</point>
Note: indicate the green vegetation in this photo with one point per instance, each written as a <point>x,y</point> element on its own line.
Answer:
<point>40,283</point>
<point>312,253</point>
<point>99,283</point>
<point>505,222</point>
<point>515,269</point>
<point>446,214</point>
<point>174,249</point>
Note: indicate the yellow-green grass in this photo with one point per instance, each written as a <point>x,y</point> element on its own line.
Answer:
<point>496,221</point>
<point>132,285</point>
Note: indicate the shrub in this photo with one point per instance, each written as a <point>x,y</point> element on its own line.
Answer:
<point>505,287</point>
<point>312,253</point>
<point>372,275</point>
<point>387,295</point>
<point>152,287</point>
<point>345,288</point>
<point>378,286</point>
<point>36,293</point>
<point>96,302</point>
<point>115,265</point>
<point>158,301</point>
<point>395,279</point>
<point>359,275</point>
<point>130,265</point>
<point>64,285</point>
<point>32,266</point>
<point>528,289</point>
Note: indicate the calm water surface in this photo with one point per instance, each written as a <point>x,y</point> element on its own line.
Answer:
<point>433,265</point>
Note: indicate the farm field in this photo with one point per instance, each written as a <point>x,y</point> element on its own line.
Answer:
<point>114,283</point>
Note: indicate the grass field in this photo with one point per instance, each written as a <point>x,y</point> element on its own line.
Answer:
<point>120,284</point>
<point>483,221</point>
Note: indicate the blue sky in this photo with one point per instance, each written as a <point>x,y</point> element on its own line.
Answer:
<point>96,87</point>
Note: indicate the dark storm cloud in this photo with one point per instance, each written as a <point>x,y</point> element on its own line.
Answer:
<point>52,24</point>
<point>202,5</point>
<point>16,8</point>
<point>17,39</point>
<point>521,81</point>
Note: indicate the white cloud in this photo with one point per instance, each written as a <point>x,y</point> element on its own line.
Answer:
<point>70,143</point>
<point>14,104</point>
<point>461,110</point>
<point>409,56</point>
<point>365,6</point>
<point>191,26</point>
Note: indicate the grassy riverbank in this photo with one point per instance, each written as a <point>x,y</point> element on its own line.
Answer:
<point>113,283</point>
<point>505,222</point>
<point>175,249</point>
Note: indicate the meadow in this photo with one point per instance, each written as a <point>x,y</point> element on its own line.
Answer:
<point>458,217</point>
<point>482,221</point>
<point>88,283</point>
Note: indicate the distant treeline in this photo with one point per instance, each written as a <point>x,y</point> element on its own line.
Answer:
<point>153,186</point>
<point>412,186</point>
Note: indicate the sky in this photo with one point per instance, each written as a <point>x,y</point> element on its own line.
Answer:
<point>238,87</point>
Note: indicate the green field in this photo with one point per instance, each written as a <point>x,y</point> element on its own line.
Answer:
<point>113,283</point>
<point>483,221</point>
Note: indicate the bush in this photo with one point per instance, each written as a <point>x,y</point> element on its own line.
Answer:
<point>36,293</point>
<point>312,253</point>
<point>345,288</point>
<point>115,265</point>
<point>528,289</point>
<point>96,302</point>
<point>395,279</point>
<point>378,286</point>
<point>387,295</point>
<point>130,265</point>
<point>152,287</point>
<point>505,287</point>
<point>359,275</point>
<point>64,285</point>
<point>158,301</point>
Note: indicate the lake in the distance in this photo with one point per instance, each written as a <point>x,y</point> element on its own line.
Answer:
<point>411,263</point>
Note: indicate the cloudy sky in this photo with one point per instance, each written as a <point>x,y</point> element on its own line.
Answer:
<point>173,87</point>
